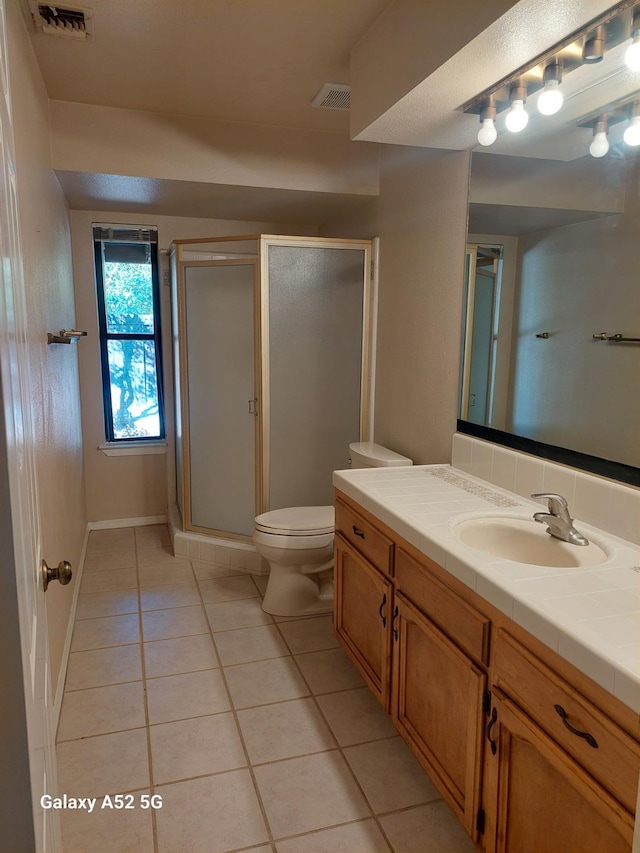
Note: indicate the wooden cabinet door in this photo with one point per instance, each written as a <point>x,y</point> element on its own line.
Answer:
<point>362,615</point>
<point>538,799</point>
<point>437,707</point>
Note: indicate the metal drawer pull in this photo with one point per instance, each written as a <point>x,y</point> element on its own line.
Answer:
<point>358,532</point>
<point>589,738</point>
<point>492,722</point>
<point>394,630</point>
<point>382,616</point>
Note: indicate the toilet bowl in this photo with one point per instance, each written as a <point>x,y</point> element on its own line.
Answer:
<point>297,542</point>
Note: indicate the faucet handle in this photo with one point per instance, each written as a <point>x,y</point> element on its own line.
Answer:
<point>557,503</point>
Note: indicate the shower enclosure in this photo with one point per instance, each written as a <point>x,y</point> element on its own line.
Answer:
<point>272,342</point>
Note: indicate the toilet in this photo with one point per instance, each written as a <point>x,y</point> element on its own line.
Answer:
<point>297,542</point>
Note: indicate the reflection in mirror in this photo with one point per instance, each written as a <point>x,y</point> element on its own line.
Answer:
<point>553,258</point>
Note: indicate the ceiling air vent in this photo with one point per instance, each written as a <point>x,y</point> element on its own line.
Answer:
<point>333,96</point>
<point>69,21</point>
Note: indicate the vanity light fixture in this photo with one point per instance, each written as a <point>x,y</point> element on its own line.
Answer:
<point>517,117</point>
<point>632,133</point>
<point>488,134</point>
<point>600,144</point>
<point>551,98</point>
<point>632,54</point>
<point>593,50</point>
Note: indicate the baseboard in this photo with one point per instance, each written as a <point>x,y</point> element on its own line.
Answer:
<point>128,522</point>
<point>64,663</point>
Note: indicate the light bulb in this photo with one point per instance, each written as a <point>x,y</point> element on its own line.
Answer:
<point>632,54</point>
<point>487,134</point>
<point>551,98</point>
<point>600,144</point>
<point>517,117</point>
<point>632,133</point>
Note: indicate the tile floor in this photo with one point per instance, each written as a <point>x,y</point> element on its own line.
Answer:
<point>257,734</point>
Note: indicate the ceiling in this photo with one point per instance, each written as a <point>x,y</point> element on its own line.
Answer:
<point>248,61</point>
<point>255,61</point>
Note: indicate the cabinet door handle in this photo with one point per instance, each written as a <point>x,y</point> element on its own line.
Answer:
<point>394,630</point>
<point>382,616</point>
<point>589,738</point>
<point>358,532</point>
<point>492,722</point>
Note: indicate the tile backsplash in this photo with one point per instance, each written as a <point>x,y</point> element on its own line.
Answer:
<point>611,506</point>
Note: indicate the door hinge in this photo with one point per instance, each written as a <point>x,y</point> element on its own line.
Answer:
<point>480,821</point>
<point>486,702</point>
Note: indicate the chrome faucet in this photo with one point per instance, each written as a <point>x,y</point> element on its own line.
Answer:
<point>559,522</point>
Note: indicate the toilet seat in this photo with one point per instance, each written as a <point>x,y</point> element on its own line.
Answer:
<point>297,521</point>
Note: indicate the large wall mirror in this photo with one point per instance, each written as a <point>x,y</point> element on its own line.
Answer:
<point>551,356</point>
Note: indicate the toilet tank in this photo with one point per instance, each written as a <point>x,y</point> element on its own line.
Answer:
<point>366,454</point>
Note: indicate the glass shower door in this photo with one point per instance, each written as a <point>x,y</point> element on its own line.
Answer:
<point>316,319</point>
<point>219,298</point>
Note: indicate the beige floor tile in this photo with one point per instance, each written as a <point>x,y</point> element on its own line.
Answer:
<point>355,716</point>
<point>427,829</point>
<point>110,540</point>
<point>100,710</point>
<point>307,793</point>
<point>284,730</point>
<point>169,595</point>
<point>175,622</point>
<point>264,682</point>
<point>250,644</point>
<point>113,603</point>
<point>390,775</point>
<point>156,534</point>
<point>328,671</point>
<point>159,575</point>
<point>360,837</point>
<point>99,667</point>
<point>243,613</point>
<point>192,694</point>
<point>182,654</point>
<point>261,582</point>
<point>106,764</point>
<point>107,831</point>
<point>100,561</point>
<point>106,631</point>
<point>107,581</point>
<point>309,635</point>
<point>208,571</point>
<point>196,747</point>
<point>210,815</point>
<point>228,589</point>
<point>157,555</point>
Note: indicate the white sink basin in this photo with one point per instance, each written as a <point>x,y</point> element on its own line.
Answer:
<point>524,540</point>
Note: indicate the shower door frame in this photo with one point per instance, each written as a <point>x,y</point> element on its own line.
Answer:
<point>182,347</point>
<point>261,351</point>
<point>366,376</point>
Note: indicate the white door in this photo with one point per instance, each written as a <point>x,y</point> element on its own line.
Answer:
<point>31,763</point>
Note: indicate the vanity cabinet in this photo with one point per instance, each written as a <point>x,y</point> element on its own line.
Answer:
<point>539,800</point>
<point>437,707</point>
<point>362,616</point>
<point>531,755</point>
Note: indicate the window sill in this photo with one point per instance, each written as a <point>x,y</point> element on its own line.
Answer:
<point>134,448</point>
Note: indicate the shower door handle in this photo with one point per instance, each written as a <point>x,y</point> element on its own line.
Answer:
<point>253,406</point>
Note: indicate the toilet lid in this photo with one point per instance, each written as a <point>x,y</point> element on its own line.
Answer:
<point>297,520</point>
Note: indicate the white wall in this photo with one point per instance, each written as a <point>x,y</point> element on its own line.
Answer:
<point>44,227</point>
<point>422,227</point>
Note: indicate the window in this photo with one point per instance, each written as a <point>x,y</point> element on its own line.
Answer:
<point>129,321</point>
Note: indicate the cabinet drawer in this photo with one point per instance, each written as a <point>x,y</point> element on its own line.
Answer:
<point>360,533</point>
<point>607,752</point>
<point>468,628</point>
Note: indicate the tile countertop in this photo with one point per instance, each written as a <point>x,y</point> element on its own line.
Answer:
<point>590,616</point>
